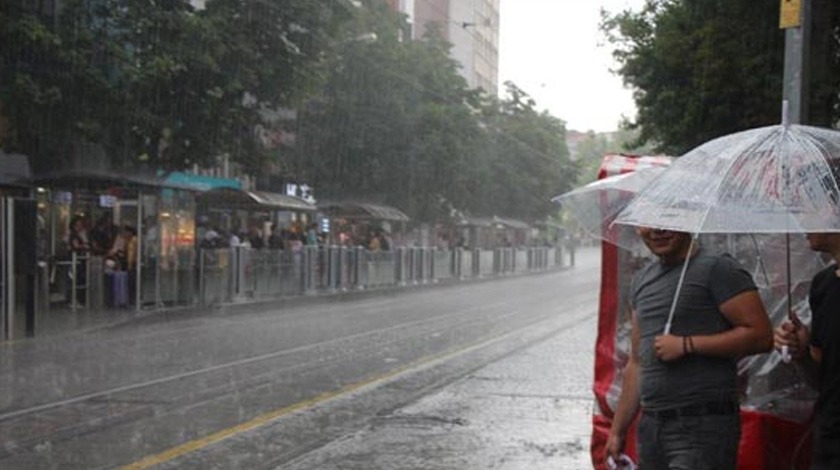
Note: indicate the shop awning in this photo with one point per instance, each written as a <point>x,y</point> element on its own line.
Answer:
<point>201,182</point>
<point>225,197</point>
<point>14,170</point>
<point>362,210</point>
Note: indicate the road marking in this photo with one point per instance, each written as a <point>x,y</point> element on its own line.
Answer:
<point>264,419</point>
<point>261,420</point>
<point>248,360</point>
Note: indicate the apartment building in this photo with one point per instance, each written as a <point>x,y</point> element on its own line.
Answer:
<point>472,26</point>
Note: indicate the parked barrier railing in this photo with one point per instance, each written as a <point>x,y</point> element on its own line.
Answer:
<point>228,275</point>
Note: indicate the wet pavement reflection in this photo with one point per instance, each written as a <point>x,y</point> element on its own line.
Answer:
<point>531,410</point>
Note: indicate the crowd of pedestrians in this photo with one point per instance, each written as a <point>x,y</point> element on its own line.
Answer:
<point>293,238</point>
<point>258,238</point>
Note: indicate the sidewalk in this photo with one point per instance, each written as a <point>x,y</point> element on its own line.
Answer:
<point>529,411</point>
<point>63,320</point>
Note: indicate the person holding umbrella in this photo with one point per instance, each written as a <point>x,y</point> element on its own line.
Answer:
<point>815,351</point>
<point>684,378</point>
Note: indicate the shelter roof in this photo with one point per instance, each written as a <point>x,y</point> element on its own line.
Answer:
<point>512,223</point>
<point>362,210</point>
<point>549,224</point>
<point>475,221</point>
<point>94,178</point>
<point>201,182</point>
<point>239,198</point>
<point>14,170</point>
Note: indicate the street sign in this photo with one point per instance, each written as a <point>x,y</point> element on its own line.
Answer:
<point>790,15</point>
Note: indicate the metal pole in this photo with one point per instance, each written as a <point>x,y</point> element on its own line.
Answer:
<point>73,261</point>
<point>138,255</point>
<point>797,52</point>
<point>201,279</point>
<point>6,269</point>
<point>795,84</point>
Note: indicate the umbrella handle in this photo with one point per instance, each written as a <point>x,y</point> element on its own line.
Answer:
<point>624,462</point>
<point>785,353</point>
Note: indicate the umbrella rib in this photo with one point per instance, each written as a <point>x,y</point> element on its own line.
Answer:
<point>747,150</point>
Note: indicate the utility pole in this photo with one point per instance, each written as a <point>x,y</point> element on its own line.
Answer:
<point>795,19</point>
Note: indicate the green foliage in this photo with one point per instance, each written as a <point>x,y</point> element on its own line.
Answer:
<point>392,124</point>
<point>397,124</point>
<point>701,68</point>
<point>528,158</point>
<point>156,81</point>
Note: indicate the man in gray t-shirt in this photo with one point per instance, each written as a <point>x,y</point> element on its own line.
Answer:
<point>684,382</point>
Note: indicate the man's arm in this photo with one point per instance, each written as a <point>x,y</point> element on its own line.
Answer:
<point>628,402</point>
<point>751,333</point>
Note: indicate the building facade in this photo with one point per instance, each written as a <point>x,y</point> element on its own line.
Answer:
<point>472,26</point>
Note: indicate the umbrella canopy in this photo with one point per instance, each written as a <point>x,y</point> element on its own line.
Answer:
<point>777,179</point>
<point>596,205</point>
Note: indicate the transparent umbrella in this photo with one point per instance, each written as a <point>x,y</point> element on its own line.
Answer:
<point>767,256</point>
<point>596,206</point>
<point>776,179</point>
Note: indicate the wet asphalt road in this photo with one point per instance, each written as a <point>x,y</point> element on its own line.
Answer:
<point>412,379</point>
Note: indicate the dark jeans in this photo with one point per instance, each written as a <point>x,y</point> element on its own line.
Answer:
<point>708,442</point>
<point>826,452</point>
<point>826,464</point>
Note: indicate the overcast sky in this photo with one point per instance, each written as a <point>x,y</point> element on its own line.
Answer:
<point>554,51</point>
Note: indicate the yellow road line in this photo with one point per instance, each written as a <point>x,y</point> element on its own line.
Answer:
<point>261,420</point>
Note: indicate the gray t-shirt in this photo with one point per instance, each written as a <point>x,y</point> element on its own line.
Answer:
<point>709,282</point>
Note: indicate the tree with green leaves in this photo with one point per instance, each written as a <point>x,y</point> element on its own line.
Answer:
<point>155,82</point>
<point>397,124</point>
<point>704,68</point>
<point>528,158</point>
<point>393,122</point>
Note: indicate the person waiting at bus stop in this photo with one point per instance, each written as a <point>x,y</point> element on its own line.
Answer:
<point>124,250</point>
<point>816,351</point>
<point>685,382</point>
<point>78,242</point>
